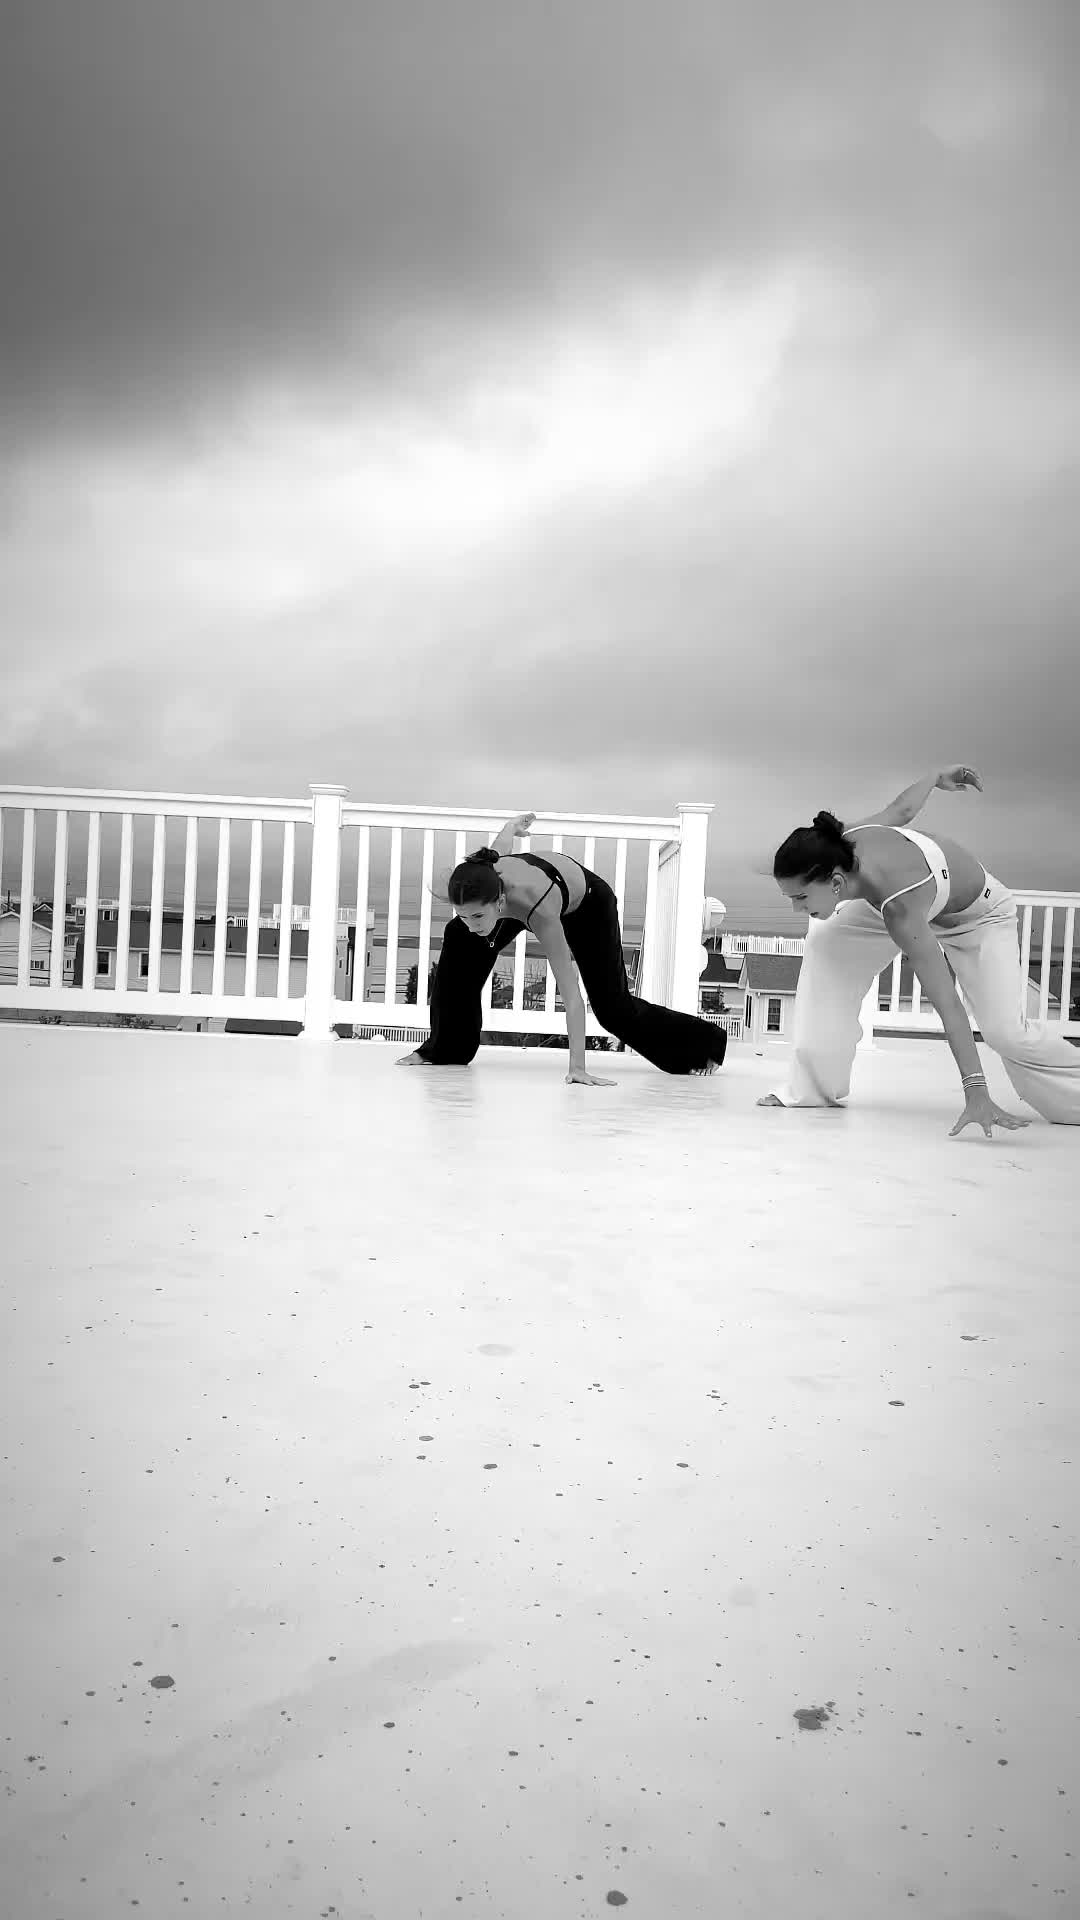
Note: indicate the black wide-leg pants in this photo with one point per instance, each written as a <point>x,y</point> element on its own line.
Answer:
<point>674,1042</point>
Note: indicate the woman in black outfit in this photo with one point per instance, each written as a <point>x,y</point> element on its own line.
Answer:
<point>496,895</point>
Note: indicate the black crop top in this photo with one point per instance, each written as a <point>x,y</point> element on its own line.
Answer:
<point>555,878</point>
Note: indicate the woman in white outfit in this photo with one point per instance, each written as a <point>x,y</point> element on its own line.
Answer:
<point>877,887</point>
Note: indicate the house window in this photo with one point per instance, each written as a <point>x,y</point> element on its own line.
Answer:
<point>773,1013</point>
<point>38,966</point>
<point>144,966</point>
<point>103,963</point>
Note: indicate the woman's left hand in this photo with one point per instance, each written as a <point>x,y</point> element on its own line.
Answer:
<point>955,779</point>
<point>580,1077</point>
<point>522,823</point>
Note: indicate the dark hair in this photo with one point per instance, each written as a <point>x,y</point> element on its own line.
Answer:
<point>475,880</point>
<point>813,853</point>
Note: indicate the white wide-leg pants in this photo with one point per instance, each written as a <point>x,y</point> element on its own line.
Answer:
<point>845,953</point>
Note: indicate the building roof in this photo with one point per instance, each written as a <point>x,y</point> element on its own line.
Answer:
<point>172,937</point>
<point>720,973</point>
<point>771,972</point>
<point>42,917</point>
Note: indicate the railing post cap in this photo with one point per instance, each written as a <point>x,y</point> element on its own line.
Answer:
<point>694,806</point>
<point>319,788</point>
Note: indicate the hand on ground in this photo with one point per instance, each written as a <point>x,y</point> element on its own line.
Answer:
<point>982,1112</point>
<point>579,1077</point>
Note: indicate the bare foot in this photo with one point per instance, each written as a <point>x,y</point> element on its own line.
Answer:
<point>700,1073</point>
<point>416,1059</point>
<point>770,1100</point>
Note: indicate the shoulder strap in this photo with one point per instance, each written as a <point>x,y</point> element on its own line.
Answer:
<point>902,890</point>
<point>540,902</point>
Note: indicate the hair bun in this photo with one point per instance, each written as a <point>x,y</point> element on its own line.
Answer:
<point>483,857</point>
<point>829,825</point>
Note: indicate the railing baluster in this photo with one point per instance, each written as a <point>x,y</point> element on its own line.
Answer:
<point>895,982</point>
<point>157,905</point>
<point>191,870</point>
<point>123,931</point>
<point>288,865</point>
<point>26,897</point>
<point>620,879</point>
<point>423,956</point>
<point>393,919</point>
<point>1044,962</point>
<point>489,984</point>
<point>650,930</point>
<point>363,874</point>
<point>916,993</point>
<point>550,986</point>
<point>1066,964</point>
<point>93,895</point>
<point>221,907</point>
<point>1025,955</point>
<point>59,907</point>
<point>251,953</point>
<point>518,1001</point>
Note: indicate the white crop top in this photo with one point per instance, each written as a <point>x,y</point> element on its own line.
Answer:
<point>935,860</point>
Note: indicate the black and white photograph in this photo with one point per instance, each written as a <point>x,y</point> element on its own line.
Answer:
<point>539,959</point>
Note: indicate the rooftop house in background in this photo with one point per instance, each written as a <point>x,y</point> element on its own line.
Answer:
<point>769,981</point>
<point>40,949</point>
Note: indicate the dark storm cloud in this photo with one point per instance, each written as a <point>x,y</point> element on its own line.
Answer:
<point>199,194</point>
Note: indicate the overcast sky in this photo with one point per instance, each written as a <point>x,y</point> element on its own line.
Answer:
<point>591,405</point>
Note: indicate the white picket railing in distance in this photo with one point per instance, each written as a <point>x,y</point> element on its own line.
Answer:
<point>126,848</point>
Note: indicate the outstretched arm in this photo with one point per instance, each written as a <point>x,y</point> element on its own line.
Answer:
<point>911,802</point>
<point>548,929</point>
<point>513,830</point>
<point>908,926</point>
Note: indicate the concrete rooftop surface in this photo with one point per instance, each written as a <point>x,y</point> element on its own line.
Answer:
<point>453,1492</point>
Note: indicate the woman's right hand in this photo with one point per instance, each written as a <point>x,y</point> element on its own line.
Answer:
<point>522,823</point>
<point>982,1112</point>
<point>956,779</point>
<point>580,1077</point>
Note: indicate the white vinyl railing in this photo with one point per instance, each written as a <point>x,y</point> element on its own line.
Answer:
<point>417,848</point>
<point>153,958</point>
<point>1046,983</point>
<point>150,841</point>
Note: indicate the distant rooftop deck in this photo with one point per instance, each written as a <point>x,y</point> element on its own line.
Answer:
<point>437,1493</point>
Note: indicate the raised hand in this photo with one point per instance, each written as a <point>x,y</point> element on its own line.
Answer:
<point>955,779</point>
<point>522,823</point>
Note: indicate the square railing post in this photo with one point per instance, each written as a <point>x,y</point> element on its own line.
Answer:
<point>689,905</point>
<point>322,929</point>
